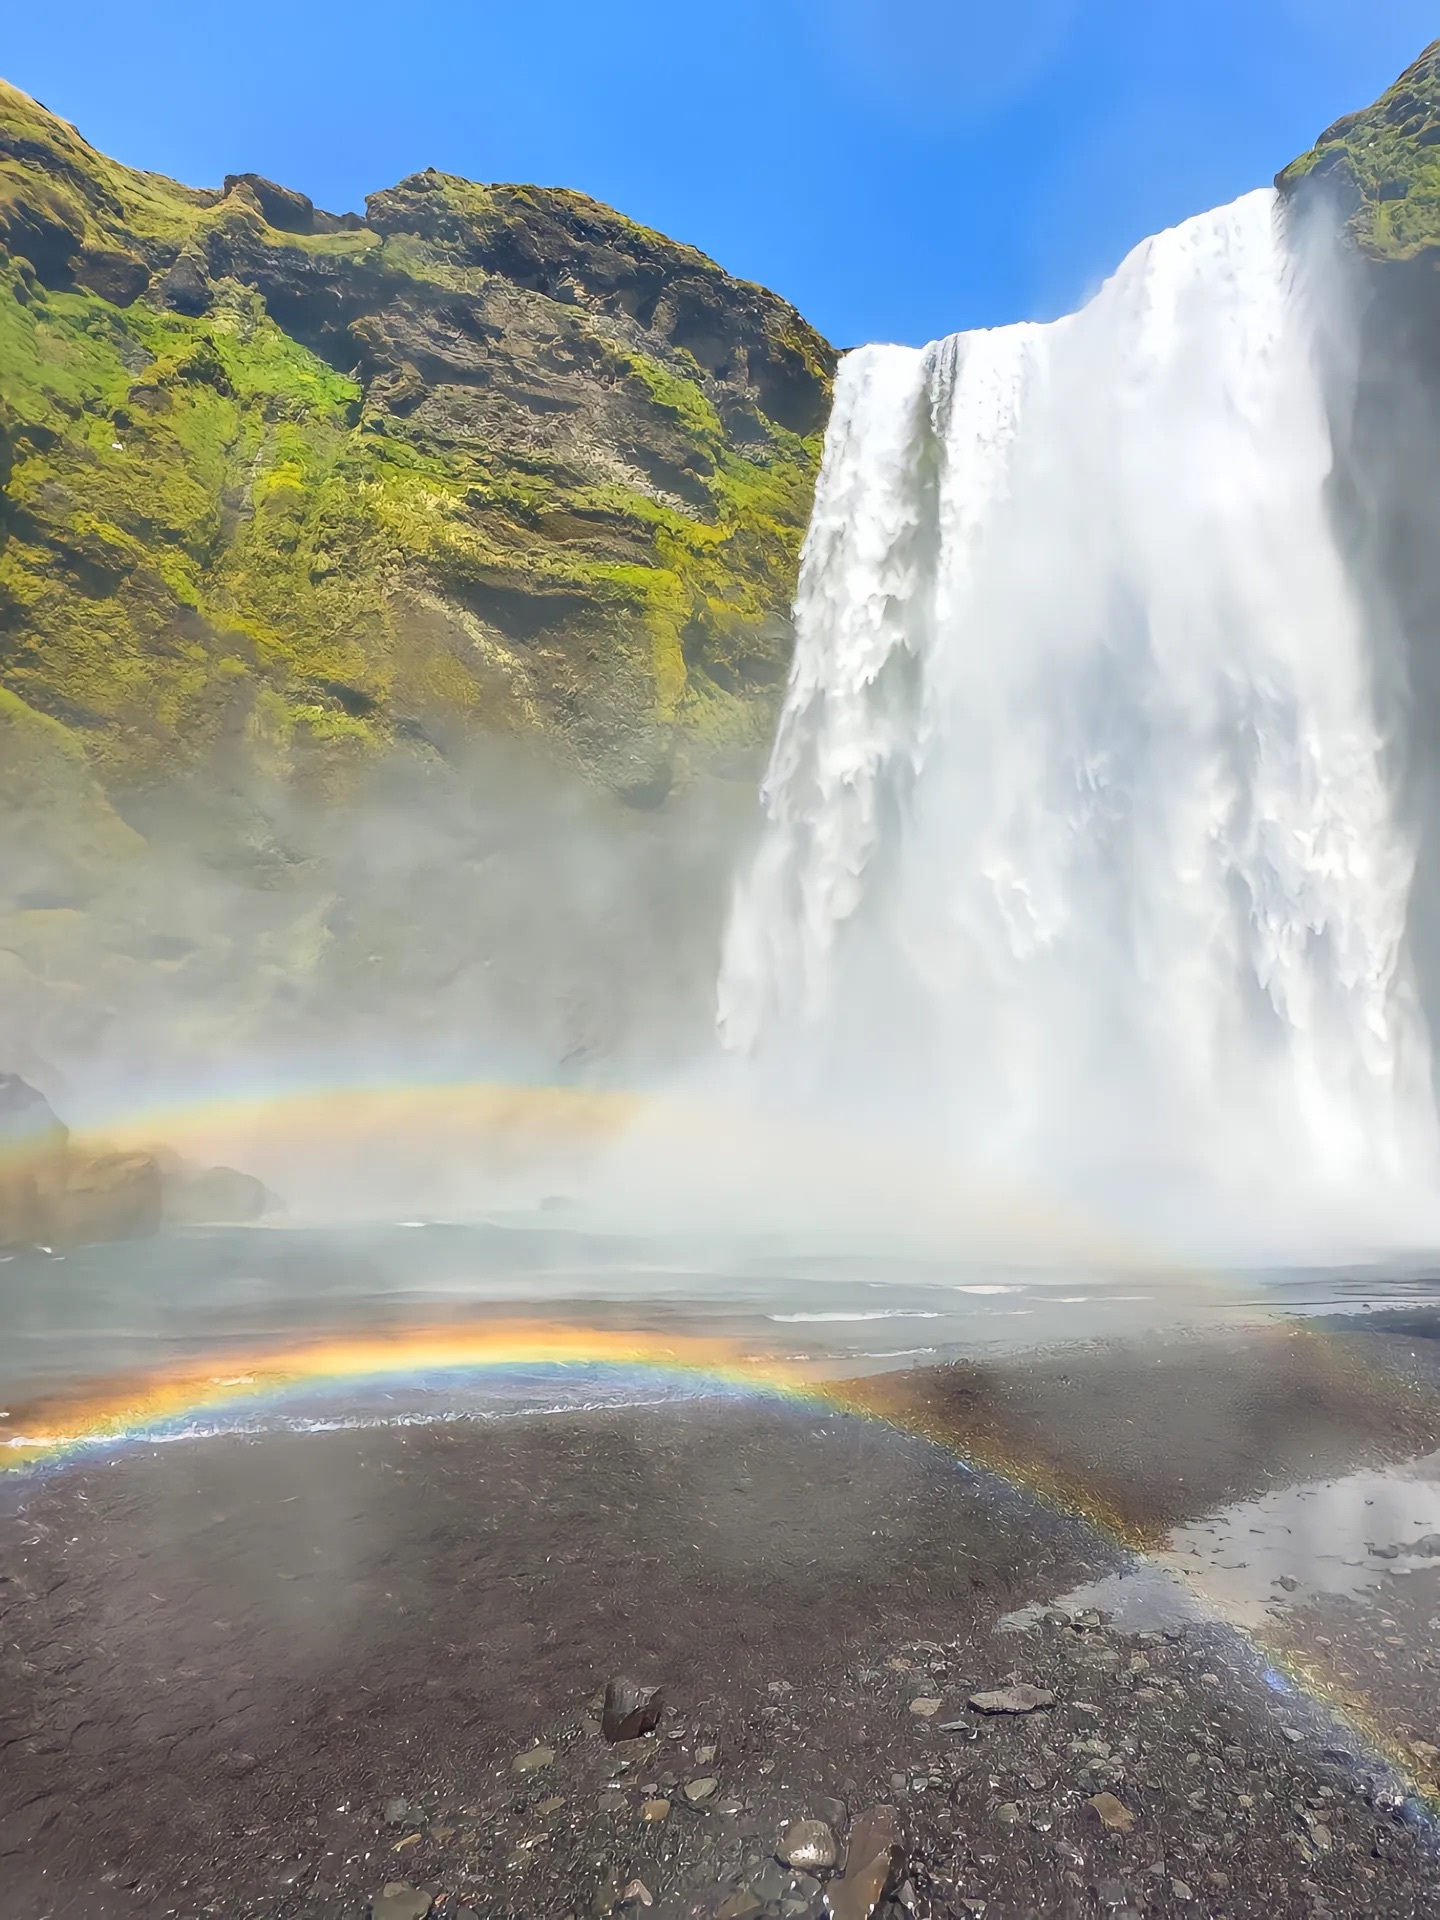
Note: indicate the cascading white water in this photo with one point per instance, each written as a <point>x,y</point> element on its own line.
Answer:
<point>1078,838</point>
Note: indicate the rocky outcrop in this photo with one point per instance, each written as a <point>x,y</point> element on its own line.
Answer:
<point>296,484</point>
<point>1380,167</point>
<point>59,1192</point>
<point>211,1196</point>
<point>54,1192</point>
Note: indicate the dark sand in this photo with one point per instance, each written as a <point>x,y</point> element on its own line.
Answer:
<point>268,1676</point>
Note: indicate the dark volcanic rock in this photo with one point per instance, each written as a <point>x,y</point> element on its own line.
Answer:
<point>212,1196</point>
<point>630,1710</point>
<point>873,1858</point>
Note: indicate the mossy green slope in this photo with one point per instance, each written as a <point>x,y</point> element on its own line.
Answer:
<point>1383,166</point>
<point>284,484</point>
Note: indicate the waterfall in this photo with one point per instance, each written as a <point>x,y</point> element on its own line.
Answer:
<point>1078,837</point>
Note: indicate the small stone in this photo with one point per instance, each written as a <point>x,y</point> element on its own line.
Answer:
<point>698,1790</point>
<point>1008,1813</point>
<point>544,1810</point>
<point>768,1883</point>
<point>1429,1545</point>
<point>630,1710</point>
<point>926,1707</point>
<point>740,1906</point>
<point>637,1894</point>
<point>1181,1891</point>
<point>403,1846</point>
<point>1018,1699</point>
<point>397,1813</point>
<point>654,1811</point>
<point>1288,1582</point>
<point>705,1755</point>
<point>806,1844</point>
<point>1113,1814</point>
<point>533,1760</point>
<point>1293,1735</point>
<point>612,1802</point>
<point>400,1901</point>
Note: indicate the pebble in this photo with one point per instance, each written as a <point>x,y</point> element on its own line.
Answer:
<point>1113,1814</point>
<point>532,1761</point>
<point>1018,1699</point>
<point>400,1901</point>
<point>807,1844</point>
<point>637,1893</point>
<point>698,1790</point>
<point>741,1906</point>
<point>926,1707</point>
<point>654,1811</point>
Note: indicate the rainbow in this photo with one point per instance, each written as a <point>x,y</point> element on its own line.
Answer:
<point>245,1387</point>
<point>337,1130</point>
<point>233,1396</point>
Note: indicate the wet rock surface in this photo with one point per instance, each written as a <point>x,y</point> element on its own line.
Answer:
<point>364,1673</point>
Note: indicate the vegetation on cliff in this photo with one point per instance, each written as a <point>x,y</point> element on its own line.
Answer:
<point>1382,164</point>
<point>285,483</point>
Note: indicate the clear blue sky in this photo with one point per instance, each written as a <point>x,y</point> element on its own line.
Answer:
<point>897,168</point>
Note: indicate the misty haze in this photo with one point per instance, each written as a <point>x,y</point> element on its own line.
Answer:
<point>720,1055</point>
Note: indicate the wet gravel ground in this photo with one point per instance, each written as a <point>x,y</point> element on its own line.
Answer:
<point>275,1676</point>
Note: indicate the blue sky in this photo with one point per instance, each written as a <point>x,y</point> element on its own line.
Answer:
<point>897,168</point>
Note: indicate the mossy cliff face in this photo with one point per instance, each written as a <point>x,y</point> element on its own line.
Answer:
<point>1381,166</point>
<point>284,485</point>
<point>1375,178</point>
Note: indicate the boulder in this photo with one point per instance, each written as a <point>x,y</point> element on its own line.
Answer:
<point>33,1154</point>
<point>211,1196</point>
<point>107,1196</point>
<point>56,1191</point>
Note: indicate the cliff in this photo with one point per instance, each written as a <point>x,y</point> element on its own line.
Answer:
<point>488,457</point>
<point>1381,167</point>
<point>1373,178</point>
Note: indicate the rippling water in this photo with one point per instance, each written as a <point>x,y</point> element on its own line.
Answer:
<point>128,1308</point>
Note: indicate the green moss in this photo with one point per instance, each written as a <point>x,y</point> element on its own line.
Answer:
<point>208,529</point>
<point>1384,163</point>
<point>680,397</point>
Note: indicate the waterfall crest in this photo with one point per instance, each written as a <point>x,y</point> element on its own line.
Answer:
<point>1078,835</point>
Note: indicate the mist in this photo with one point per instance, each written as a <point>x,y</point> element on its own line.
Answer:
<point>1085,910</point>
